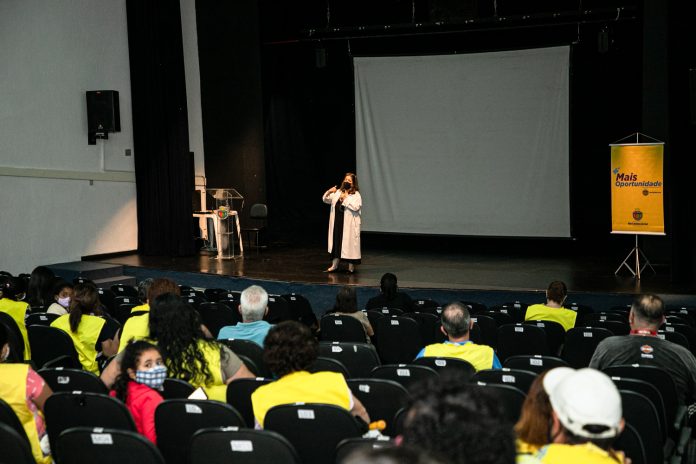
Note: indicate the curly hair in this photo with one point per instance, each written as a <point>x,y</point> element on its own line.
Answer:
<point>131,356</point>
<point>289,347</point>
<point>459,423</point>
<point>85,300</point>
<point>177,328</point>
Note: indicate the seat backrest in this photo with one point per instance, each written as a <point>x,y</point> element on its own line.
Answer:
<point>650,392</point>
<point>124,290</point>
<point>683,329</point>
<point>640,412</point>
<point>429,325</point>
<point>278,310</point>
<point>534,363</point>
<point>475,307</point>
<point>176,388</point>
<point>252,351</point>
<point>382,398</point>
<point>631,444</point>
<point>555,335</point>
<point>301,310</point>
<point>15,338</point>
<point>313,429</point>
<point>615,327</point>
<point>68,380</point>
<point>341,328</point>
<point>15,448</point>
<point>40,319</point>
<point>675,337</point>
<point>580,344</point>
<point>407,375</point>
<point>49,344</point>
<point>398,339</point>
<point>515,339</point>
<point>64,410</point>
<point>222,445</point>
<point>359,358</point>
<point>214,294</point>
<point>258,211</point>
<point>511,397</point>
<point>506,376</point>
<point>123,312</point>
<point>448,366</point>
<point>350,445</point>
<point>329,364</point>
<point>422,304</point>
<point>9,418</point>
<point>388,311</point>
<point>515,309</point>
<point>488,327</point>
<point>501,318</point>
<point>215,316</point>
<point>107,298</point>
<point>587,319</point>
<point>177,420</point>
<point>239,397</point>
<point>78,445</point>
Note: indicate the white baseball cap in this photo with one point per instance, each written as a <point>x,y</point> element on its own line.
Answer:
<point>584,397</point>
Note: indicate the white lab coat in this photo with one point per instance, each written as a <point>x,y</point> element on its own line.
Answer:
<point>350,246</point>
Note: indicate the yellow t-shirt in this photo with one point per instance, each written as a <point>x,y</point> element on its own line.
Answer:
<point>541,312</point>
<point>135,328</point>
<point>302,387</point>
<point>587,453</point>
<point>479,356</point>
<point>18,310</point>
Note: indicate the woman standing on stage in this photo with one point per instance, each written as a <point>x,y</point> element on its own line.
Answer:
<point>344,223</point>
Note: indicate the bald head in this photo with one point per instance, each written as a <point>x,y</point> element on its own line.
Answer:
<point>648,311</point>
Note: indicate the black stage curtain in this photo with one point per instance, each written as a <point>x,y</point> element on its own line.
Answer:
<point>163,169</point>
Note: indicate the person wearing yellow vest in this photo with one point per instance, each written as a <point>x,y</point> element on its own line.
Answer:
<point>18,310</point>
<point>586,418</point>
<point>289,350</point>
<point>175,328</point>
<point>95,337</point>
<point>26,392</point>
<point>456,325</point>
<point>553,310</point>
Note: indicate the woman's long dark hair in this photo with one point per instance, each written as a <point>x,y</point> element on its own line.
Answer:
<point>346,300</point>
<point>131,355</point>
<point>85,300</point>
<point>39,289</point>
<point>388,286</point>
<point>177,328</point>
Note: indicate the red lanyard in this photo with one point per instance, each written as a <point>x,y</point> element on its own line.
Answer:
<point>644,332</point>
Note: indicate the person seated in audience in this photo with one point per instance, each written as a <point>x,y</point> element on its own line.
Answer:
<point>253,306</point>
<point>386,454</point>
<point>94,334</point>
<point>553,310</point>
<point>39,291</point>
<point>142,374</point>
<point>456,325</point>
<point>458,423</point>
<point>62,294</point>
<point>176,329</point>
<point>143,289</point>
<point>26,392</point>
<point>138,327</point>
<point>289,350</point>
<point>18,310</point>
<point>390,296</point>
<point>586,417</point>
<point>643,346</point>
<point>347,305</point>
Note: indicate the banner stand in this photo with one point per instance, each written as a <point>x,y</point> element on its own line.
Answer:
<point>635,254</point>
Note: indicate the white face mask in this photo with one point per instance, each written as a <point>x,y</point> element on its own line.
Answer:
<point>64,302</point>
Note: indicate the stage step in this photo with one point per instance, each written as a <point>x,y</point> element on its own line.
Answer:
<point>103,275</point>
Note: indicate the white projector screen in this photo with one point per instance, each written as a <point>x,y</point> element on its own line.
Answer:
<point>473,144</point>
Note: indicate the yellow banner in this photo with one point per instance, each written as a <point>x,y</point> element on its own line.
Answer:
<point>637,205</point>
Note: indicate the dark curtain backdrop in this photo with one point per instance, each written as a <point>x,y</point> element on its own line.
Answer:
<point>163,169</point>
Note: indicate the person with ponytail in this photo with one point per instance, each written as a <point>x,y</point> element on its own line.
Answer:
<point>94,334</point>
<point>142,375</point>
<point>553,310</point>
<point>10,289</point>
<point>390,296</point>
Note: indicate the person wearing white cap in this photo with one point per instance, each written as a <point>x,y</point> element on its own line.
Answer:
<point>586,418</point>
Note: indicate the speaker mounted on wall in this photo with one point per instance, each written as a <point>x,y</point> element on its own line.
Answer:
<point>103,115</point>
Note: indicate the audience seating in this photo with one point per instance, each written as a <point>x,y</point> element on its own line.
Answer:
<point>555,334</point>
<point>387,311</point>
<point>194,301</point>
<point>62,379</point>
<point>341,328</point>
<point>82,280</point>
<point>301,309</point>
<point>124,290</point>
<point>14,336</point>
<point>358,358</point>
<point>9,418</point>
<point>429,326</point>
<point>40,319</point>
<point>640,412</point>
<point>516,339</point>
<point>329,364</point>
<point>679,319</point>
<point>587,319</point>
<point>398,339</point>
<point>615,327</point>
<point>500,318</point>
<point>510,397</point>
<point>405,374</point>
<point>107,298</point>
<point>177,420</point>
<point>632,445</point>
<point>176,388</point>
<point>123,312</point>
<point>126,300</point>
<point>425,305</point>
<point>64,410</point>
<point>475,307</point>
<point>15,448</point>
<point>252,351</point>
<point>534,363</point>
<point>79,445</point>
<point>239,397</point>
<point>580,344</point>
<point>185,289</point>
<point>214,294</point>
<point>382,398</point>
<point>580,309</point>
<point>651,393</point>
<point>448,366</point>
<point>278,310</point>
<point>373,317</point>
<point>51,347</point>
<point>506,376</point>
<point>223,445</point>
<point>302,424</point>
<point>488,327</point>
<point>674,337</point>
<point>215,316</point>
<point>350,445</point>
<point>515,308</point>
<point>684,329</point>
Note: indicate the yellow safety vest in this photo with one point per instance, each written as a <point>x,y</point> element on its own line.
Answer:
<point>13,388</point>
<point>217,390</point>
<point>587,453</point>
<point>301,387</point>
<point>479,356</point>
<point>142,307</point>
<point>18,311</point>
<point>541,312</point>
<point>85,339</point>
<point>135,328</point>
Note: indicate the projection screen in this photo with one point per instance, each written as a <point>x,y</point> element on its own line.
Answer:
<point>472,144</point>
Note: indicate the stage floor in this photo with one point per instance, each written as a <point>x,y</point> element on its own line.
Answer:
<point>488,270</point>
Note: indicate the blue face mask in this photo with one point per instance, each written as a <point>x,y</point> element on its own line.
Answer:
<point>153,378</point>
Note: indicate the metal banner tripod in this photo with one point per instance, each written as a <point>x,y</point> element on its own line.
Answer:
<point>635,255</point>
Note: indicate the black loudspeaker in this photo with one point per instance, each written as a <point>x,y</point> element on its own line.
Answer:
<point>692,94</point>
<point>103,113</point>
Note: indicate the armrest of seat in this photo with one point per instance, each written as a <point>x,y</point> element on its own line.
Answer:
<point>681,417</point>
